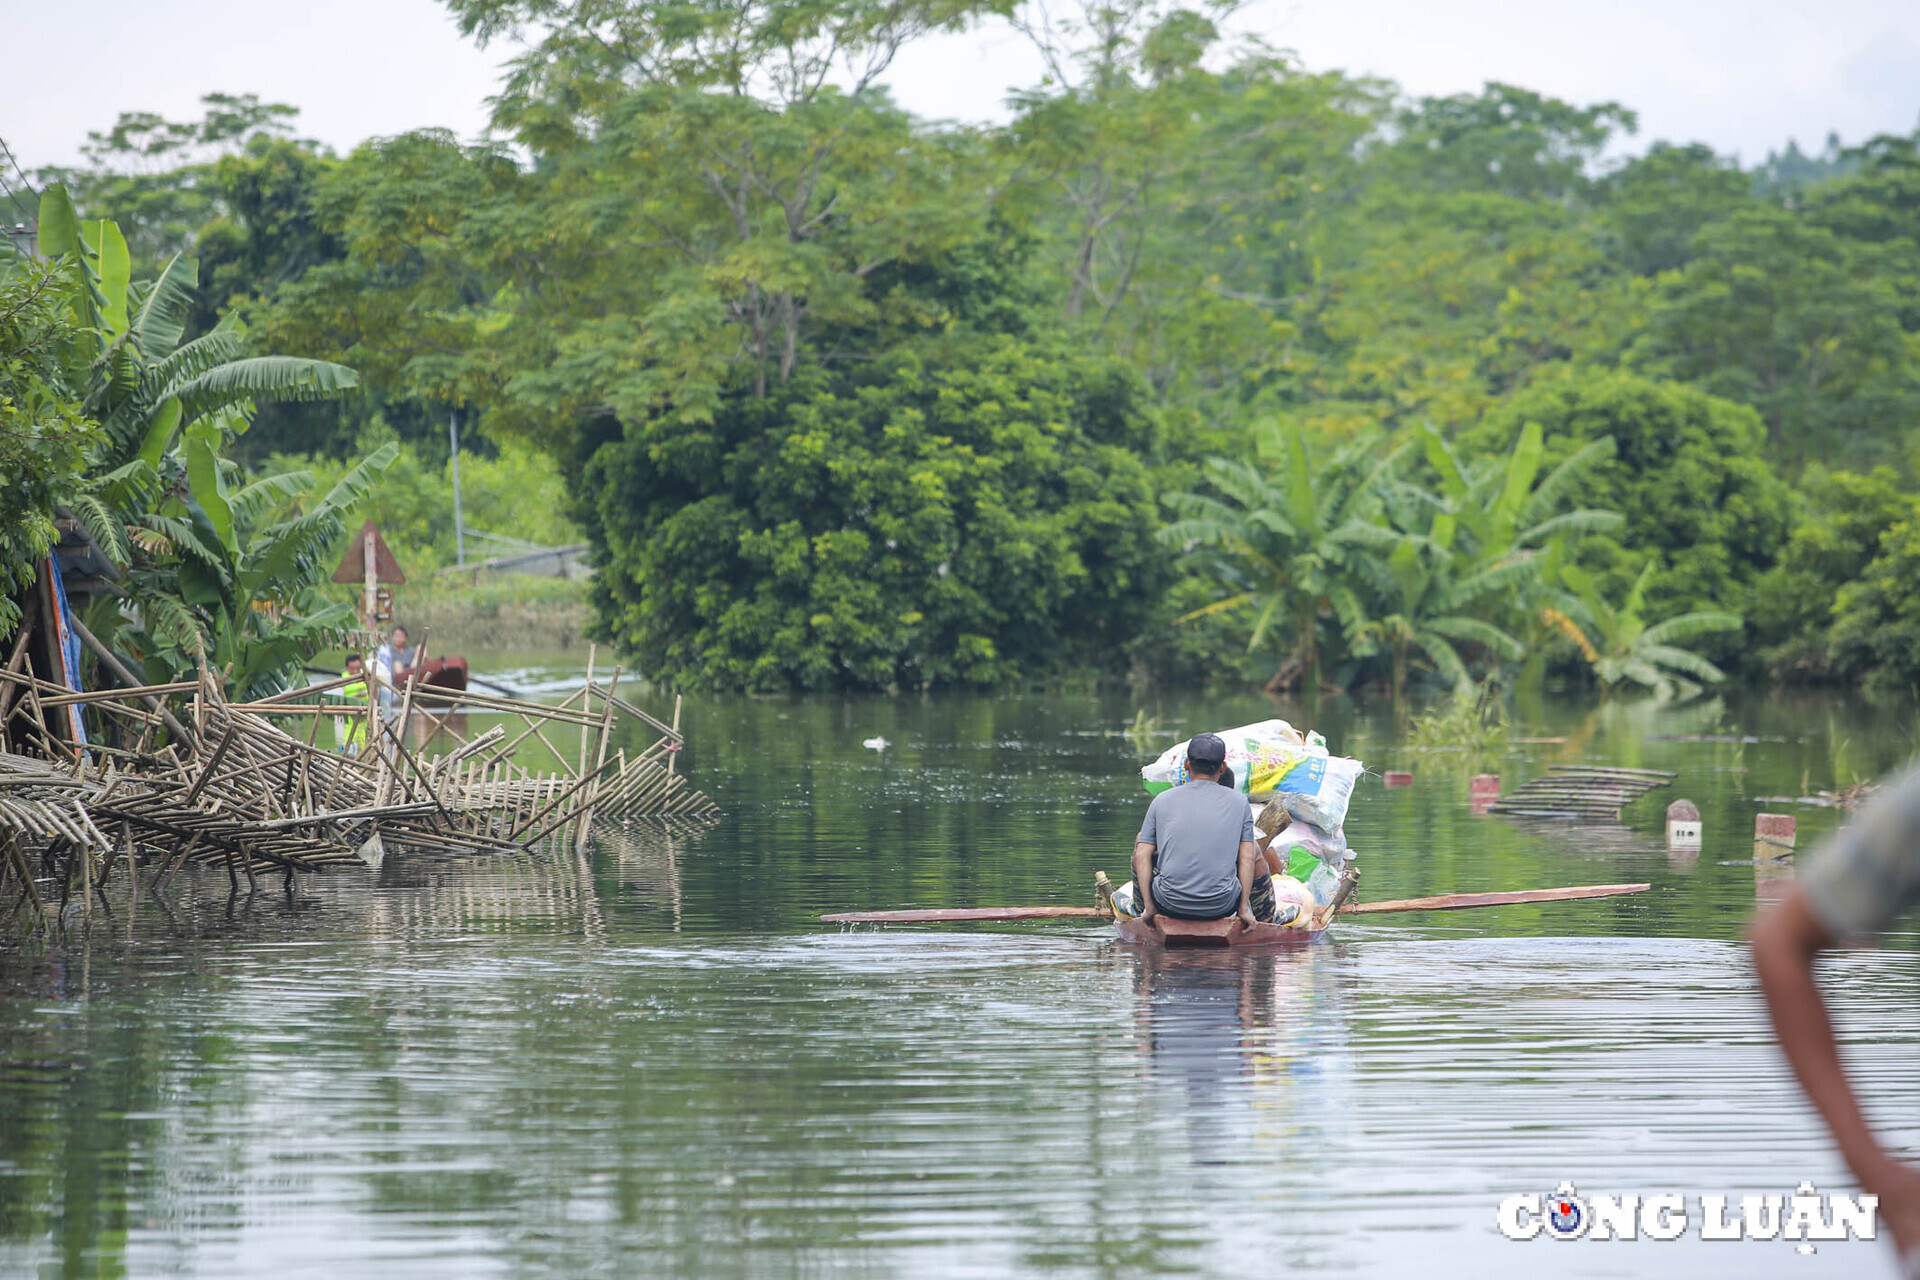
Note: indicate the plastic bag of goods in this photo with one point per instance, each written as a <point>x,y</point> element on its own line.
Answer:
<point>1302,847</point>
<point>1126,902</point>
<point>1324,883</point>
<point>1318,790</point>
<point>1288,889</point>
<point>1259,754</point>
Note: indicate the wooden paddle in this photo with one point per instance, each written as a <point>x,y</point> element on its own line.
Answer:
<point>1446,902</point>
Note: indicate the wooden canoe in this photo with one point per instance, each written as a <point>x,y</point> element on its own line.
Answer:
<point>1165,931</point>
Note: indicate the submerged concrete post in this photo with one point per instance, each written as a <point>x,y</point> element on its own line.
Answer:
<point>1772,836</point>
<point>1683,825</point>
<point>1483,792</point>
<point>1772,856</point>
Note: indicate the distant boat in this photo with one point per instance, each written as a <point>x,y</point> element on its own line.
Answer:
<point>445,673</point>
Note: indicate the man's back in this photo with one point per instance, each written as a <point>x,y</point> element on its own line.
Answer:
<point>1196,829</point>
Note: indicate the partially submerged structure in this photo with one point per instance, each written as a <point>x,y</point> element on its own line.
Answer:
<point>175,774</point>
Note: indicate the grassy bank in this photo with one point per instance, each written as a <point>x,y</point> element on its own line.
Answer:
<point>511,612</point>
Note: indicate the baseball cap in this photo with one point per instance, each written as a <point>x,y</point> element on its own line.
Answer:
<point>1206,749</point>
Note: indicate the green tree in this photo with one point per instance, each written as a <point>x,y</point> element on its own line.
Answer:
<point>1176,205</point>
<point>1876,616</point>
<point>1836,538</point>
<point>430,233</point>
<point>266,230</point>
<point>146,386</point>
<point>1474,551</point>
<point>206,574</point>
<point>1783,314</point>
<point>1656,204</point>
<point>43,432</point>
<point>715,206</point>
<point>1432,606</point>
<point>1505,140</point>
<point>965,513</point>
<point>1502,503</point>
<point>228,571</point>
<point>774,180</point>
<point>1435,305</point>
<point>155,177</point>
<point>1878,204</point>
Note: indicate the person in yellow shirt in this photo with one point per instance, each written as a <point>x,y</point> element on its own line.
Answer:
<point>350,731</point>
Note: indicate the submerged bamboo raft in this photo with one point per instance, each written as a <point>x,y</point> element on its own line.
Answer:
<point>175,775</point>
<point>1580,792</point>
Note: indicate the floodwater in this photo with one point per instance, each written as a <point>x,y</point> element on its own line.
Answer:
<point>651,1060</point>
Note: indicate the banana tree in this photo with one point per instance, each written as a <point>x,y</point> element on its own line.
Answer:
<point>230,572</point>
<point>1294,535</point>
<point>145,386</point>
<point>1509,509</point>
<point>1481,548</point>
<point>207,574</point>
<point>1621,648</point>
<point>1434,605</point>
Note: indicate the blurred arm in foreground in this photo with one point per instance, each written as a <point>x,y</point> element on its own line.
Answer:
<point>1853,886</point>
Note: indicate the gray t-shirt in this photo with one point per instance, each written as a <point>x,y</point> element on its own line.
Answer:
<point>1196,829</point>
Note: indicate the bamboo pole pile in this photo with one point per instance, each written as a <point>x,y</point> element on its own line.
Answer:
<point>175,774</point>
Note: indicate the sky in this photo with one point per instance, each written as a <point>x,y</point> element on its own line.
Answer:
<point>1741,75</point>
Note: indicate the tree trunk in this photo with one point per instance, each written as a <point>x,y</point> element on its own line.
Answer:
<point>757,328</point>
<point>790,337</point>
<point>1286,677</point>
<point>1310,643</point>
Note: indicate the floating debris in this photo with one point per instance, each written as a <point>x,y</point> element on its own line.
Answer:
<point>1847,799</point>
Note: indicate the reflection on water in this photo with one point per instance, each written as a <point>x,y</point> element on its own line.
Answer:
<point>648,1060</point>
<point>1772,878</point>
<point>1256,1044</point>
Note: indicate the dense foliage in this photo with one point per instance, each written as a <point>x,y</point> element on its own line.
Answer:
<point>1688,472</point>
<point>42,430</point>
<point>120,420</point>
<point>961,514</point>
<point>848,398</point>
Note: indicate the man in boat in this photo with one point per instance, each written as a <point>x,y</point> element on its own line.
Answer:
<point>1265,906</point>
<point>1195,856</point>
<point>1853,887</point>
